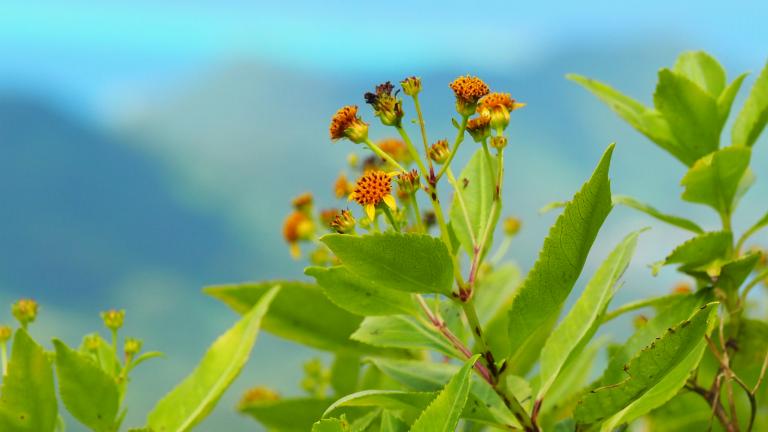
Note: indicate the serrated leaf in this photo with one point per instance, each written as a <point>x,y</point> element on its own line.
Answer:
<point>735,272</point>
<point>406,262</point>
<point>331,425</point>
<point>703,70</point>
<point>561,258</point>
<point>580,324</point>
<point>677,221</point>
<point>659,364</point>
<point>88,392</point>
<point>28,397</point>
<point>691,113</point>
<point>105,354</point>
<point>300,312</point>
<point>754,115</point>
<point>390,423</point>
<point>725,101</point>
<point>701,250</point>
<point>407,404</point>
<point>714,179</point>
<point>477,187</point>
<point>359,295</point>
<point>442,415</point>
<point>287,415</point>
<point>645,120</point>
<point>399,331</point>
<point>196,396</point>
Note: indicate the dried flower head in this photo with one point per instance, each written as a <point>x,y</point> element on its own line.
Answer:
<point>439,152</point>
<point>327,216</point>
<point>297,227</point>
<point>479,128</point>
<point>342,187</point>
<point>396,149</point>
<point>387,107</point>
<point>25,311</point>
<point>344,223</point>
<point>682,288</point>
<point>468,91</point>
<point>408,183</point>
<point>411,85</point>
<point>258,394</point>
<point>497,106</point>
<point>346,124</point>
<point>5,333</point>
<point>512,226</point>
<point>303,202</point>
<point>373,188</point>
<point>113,319</point>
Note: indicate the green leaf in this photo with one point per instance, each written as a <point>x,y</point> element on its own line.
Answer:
<point>561,258</point>
<point>407,404</point>
<point>677,221</point>
<point>345,373</point>
<point>28,397</point>
<point>725,101</point>
<point>651,372</point>
<point>494,288</point>
<point>754,115</point>
<point>703,70</point>
<point>416,263</point>
<point>484,404</point>
<point>760,224</point>
<point>399,331</point>
<point>687,411</point>
<point>442,415</point>
<point>701,250</point>
<point>287,415</point>
<point>89,393</point>
<point>194,398</point>
<point>735,272</point>
<point>331,425</point>
<point>714,179</point>
<point>360,295</point>
<point>300,312</point>
<point>691,113</point>
<point>390,423</point>
<point>578,327</point>
<point>477,186</point>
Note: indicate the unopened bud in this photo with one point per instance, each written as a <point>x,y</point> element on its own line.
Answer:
<point>411,85</point>
<point>408,182</point>
<point>439,152</point>
<point>512,226</point>
<point>344,222</point>
<point>5,333</point>
<point>132,347</point>
<point>113,319</point>
<point>498,142</point>
<point>303,202</point>
<point>92,342</point>
<point>479,128</point>
<point>25,311</point>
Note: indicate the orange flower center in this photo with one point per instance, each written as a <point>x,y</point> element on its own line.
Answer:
<point>372,187</point>
<point>469,88</point>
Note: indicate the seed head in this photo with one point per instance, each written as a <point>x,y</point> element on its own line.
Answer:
<point>373,188</point>
<point>25,311</point>
<point>113,319</point>
<point>468,91</point>
<point>387,107</point>
<point>346,124</point>
<point>439,152</point>
<point>479,128</point>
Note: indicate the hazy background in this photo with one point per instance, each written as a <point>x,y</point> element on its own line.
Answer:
<point>150,149</point>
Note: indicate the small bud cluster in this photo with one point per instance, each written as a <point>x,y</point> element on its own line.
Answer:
<point>113,319</point>
<point>386,106</point>
<point>316,378</point>
<point>25,311</point>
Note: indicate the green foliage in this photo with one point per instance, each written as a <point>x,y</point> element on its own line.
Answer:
<point>677,221</point>
<point>90,394</point>
<point>28,397</point>
<point>476,188</point>
<point>287,415</point>
<point>714,179</point>
<point>561,258</point>
<point>751,120</point>
<point>442,415</point>
<point>192,400</point>
<point>402,332</point>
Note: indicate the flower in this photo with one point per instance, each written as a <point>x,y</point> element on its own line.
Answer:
<point>408,183</point>
<point>297,226</point>
<point>468,91</point>
<point>113,319</point>
<point>497,106</point>
<point>342,186</point>
<point>371,189</point>
<point>512,226</point>
<point>387,107</point>
<point>327,216</point>
<point>344,222</point>
<point>92,342</point>
<point>132,347</point>
<point>303,202</point>
<point>258,394</point>
<point>682,288</point>
<point>346,124</point>
<point>479,128</point>
<point>395,148</point>
<point>439,152</point>
<point>411,85</point>
<point>25,311</point>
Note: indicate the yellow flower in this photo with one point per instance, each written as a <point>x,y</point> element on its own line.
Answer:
<point>25,311</point>
<point>373,188</point>
<point>346,124</point>
<point>342,187</point>
<point>682,288</point>
<point>479,128</point>
<point>468,91</point>
<point>303,202</point>
<point>497,106</point>
<point>258,394</point>
<point>297,226</point>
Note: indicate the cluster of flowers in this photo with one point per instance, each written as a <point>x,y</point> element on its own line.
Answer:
<point>391,161</point>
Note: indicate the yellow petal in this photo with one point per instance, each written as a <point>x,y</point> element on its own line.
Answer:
<point>517,105</point>
<point>393,174</point>
<point>389,200</point>
<point>370,210</point>
<point>351,196</point>
<point>295,251</point>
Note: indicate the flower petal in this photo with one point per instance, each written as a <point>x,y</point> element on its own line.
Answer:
<point>389,200</point>
<point>370,210</point>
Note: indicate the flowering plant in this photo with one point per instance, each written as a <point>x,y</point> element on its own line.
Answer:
<point>431,329</point>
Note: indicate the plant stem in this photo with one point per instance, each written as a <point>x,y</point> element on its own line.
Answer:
<point>412,150</point>
<point>423,129</point>
<point>417,214</point>
<point>391,218</point>
<point>456,143</point>
<point>382,154</point>
<point>4,354</point>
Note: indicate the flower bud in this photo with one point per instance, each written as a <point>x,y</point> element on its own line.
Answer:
<point>297,227</point>
<point>5,333</point>
<point>498,106</point>
<point>408,182</point>
<point>258,394</point>
<point>25,311</point>
<point>386,106</point>
<point>342,187</point>
<point>468,91</point>
<point>512,226</point>
<point>479,128</point>
<point>498,142</point>
<point>411,85</point>
<point>346,124</point>
<point>682,288</point>
<point>439,152</point>
<point>303,202</point>
<point>353,160</point>
<point>344,222</point>
<point>92,342</point>
<point>132,347</point>
<point>113,319</point>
